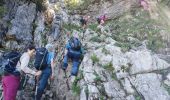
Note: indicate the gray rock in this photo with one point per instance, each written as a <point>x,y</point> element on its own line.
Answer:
<point>149,85</point>
<point>39,30</point>
<point>22,24</point>
<point>128,86</point>
<point>113,90</point>
<point>130,97</point>
<point>83,94</point>
<point>93,92</point>
<point>12,45</point>
<point>143,61</point>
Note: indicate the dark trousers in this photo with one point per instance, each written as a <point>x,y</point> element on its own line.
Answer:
<point>43,81</point>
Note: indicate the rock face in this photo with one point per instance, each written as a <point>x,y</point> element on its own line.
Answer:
<point>39,31</point>
<point>105,73</point>
<point>144,61</point>
<point>149,85</point>
<point>22,24</point>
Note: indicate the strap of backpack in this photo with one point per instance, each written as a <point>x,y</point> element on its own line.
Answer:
<point>11,60</point>
<point>43,58</point>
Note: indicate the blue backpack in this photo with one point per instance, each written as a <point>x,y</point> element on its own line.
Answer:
<point>40,58</point>
<point>10,61</point>
<point>75,44</point>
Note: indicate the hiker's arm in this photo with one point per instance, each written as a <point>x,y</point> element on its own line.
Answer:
<point>24,66</point>
<point>52,67</point>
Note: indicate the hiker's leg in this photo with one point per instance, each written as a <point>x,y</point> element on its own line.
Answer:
<point>12,84</point>
<point>4,86</point>
<point>75,67</point>
<point>65,62</point>
<point>43,82</point>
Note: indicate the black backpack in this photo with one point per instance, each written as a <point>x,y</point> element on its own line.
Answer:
<point>41,58</point>
<point>75,44</point>
<point>10,61</point>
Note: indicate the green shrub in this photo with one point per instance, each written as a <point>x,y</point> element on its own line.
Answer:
<point>96,39</point>
<point>94,58</point>
<point>155,42</point>
<point>2,11</point>
<point>124,46</point>
<point>109,67</point>
<point>71,27</point>
<point>138,98</point>
<point>140,27</point>
<point>125,68</point>
<point>93,27</point>
<point>113,75</point>
<point>167,88</point>
<point>97,79</point>
<point>76,89</point>
<point>105,51</point>
<point>101,97</point>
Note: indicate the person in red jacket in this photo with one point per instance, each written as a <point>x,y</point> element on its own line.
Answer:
<point>101,20</point>
<point>144,4</point>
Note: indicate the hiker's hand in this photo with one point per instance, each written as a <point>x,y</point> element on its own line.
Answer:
<point>52,77</point>
<point>38,73</point>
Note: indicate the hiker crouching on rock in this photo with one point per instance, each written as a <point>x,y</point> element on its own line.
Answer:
<point>46,72</point>
<point>84,21</point>
<point>74,52</point>
<point>144,4</point>
<point>13,73</point>
<point>101,19</point>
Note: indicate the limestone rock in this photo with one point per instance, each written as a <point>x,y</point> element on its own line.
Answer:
<point>149,85</point>
<point>22,24</point>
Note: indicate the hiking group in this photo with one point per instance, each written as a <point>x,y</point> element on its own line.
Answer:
<point>16,65</point>
<point>16,69</point>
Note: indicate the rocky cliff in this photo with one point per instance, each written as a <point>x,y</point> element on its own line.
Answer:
<point>126,59</point>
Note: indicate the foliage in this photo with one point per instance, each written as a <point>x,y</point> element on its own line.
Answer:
<point>109,67</point>
<point>93,27</point>
<point>105,51</point>
<point>167,88</point>
<point>113,75</point>
<point>125,68</point>
<point>94,58</point>
<point>2,11</point>
<point>72,4</point>
<point>96,39</point>
<point>97,78</point>
<point>71,27</point>
<point>124,46</point>
<point>138,98</point>
<point>76,88</point>
<point>154,42</point>
<point>139,27</point>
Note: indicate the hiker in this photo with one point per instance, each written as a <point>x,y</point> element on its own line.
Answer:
<point>74,52</point>
<point>101,20</point>
<point>83,21</point>
<point>47,71</point>
<point>144,4</point>
<point>12,74</point>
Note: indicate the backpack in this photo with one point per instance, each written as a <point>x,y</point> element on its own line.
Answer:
<point>10,61</point>
<point>41,58</point>
<point>75,44</point>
